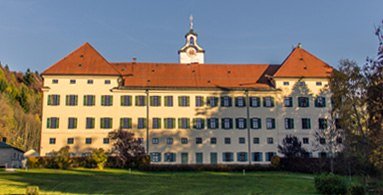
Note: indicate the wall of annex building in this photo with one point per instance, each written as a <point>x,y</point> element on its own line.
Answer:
<point>116,111</point>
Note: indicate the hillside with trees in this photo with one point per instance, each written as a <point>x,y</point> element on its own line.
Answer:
<point>20,108</point>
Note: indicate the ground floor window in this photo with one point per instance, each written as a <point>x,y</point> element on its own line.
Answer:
<point>155,157</point>
<point>270,155</point>
<point>257,156</point>
<point>227,157</point>
<point>170,157</point>
<point>199,157</point>
<point>241,156</point>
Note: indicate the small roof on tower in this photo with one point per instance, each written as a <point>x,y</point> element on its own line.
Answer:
<point>301,63</point>
<point>83,61</point>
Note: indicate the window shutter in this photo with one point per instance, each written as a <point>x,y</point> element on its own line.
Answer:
<point>180,125</point>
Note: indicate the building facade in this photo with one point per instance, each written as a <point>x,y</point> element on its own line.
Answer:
<point>187,112</point>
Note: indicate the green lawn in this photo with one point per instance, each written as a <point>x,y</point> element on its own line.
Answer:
<point>116,181</point>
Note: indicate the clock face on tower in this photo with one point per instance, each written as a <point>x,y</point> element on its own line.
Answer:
<point>191,52</point>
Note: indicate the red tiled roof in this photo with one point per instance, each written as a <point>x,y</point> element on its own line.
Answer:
<point>301,63</point>
<point>83,61</point>
<point>87,61</point>
<point>192,75</point>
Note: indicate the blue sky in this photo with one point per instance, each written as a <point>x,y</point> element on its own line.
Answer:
<point>36,34</point>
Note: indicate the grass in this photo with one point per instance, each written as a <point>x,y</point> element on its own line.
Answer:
<point>117,181</point>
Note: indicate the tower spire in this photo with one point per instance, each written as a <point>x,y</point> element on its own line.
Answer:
<point>191,22</point>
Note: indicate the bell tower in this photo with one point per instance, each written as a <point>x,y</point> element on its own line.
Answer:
<point>191,52</point>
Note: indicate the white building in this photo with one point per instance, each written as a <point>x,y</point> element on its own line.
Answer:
<point>187,112</point>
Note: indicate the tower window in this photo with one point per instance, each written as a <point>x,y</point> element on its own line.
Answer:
<point>191,40</point>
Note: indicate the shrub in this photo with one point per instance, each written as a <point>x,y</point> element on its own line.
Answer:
<point>32,190</point>
<point>99,157</point>
<point>330,184</point>
<point>32,162</point>
<point>62,158</point>
<point>275,161</point>
<point>356,189</point>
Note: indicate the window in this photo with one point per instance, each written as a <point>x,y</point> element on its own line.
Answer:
<point>227,123</point>
<point>106,100</point>
<point>89,100</point>
<point>213,158</point>
<point>199,157</point>
<point>53,123</point>
<point>270,123</point>
<point>105,140</point>
<point>199,101</point>
<point>55,81</point>
<point>227,140</point>
<point>52,140</point>
<point>256,140</point>
<point>306,123</point>
<point>322,140</point>
<point>183,101</point>
<point>89,123</point>
<point>301,83</point>
<point>156,123</point>
<point>255,101</point>
<point>168,101</point>
<point>212,123</point>
<point>90,81</point>
<point>339,140</point>
<point>268,101</point>
<point>213,140</point>
<point>88,140</point>
<point>70,140</point>
<point>140,100</point>
<point>155,157</point>
<point>155,101</point>
<point>257,156</point>
<point>241,140</point>
<point>226,101</point>
<point>288,101</point>
<point>126,123</point>
<point>240,123</point>
<point>184,123</point>
<point>141,123</point>
<point>107,82</point>
<point>240,101</point>
<point>322,123</point>
<point>198,123</point>
<point>303,102</point>
<point>305,140</point>
<point>270,155</point>
<point>140,140</point>
<point>270,140</point>
<point>320,102</point>
<point>184,140</point>
<point>71,100</point>
<point>255,123</point>
<point>338,124</point>
<point>53,100</point>
<point>155,140</point>
<point>72,123</point>
<point>241,156</point>
<point>169,123</point>
<point>169,141</point>
<point>318,83</point>
<point>126,100</point>
<point>170,157</point>
<point>322,154</point>
<point>289,123</point>
<point>227,156</point>
<point>72,81</point>
<point>212,101</point>
<point>198,140</point>
<point>106,123</point>
<point>286,83</point>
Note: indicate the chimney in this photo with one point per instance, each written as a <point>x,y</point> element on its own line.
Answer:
<point>4,139</point>
<point>134,60</point>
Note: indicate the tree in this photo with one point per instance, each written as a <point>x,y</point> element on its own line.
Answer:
<point>374,74</point>
<point>99,157</point>
<point>127,150</point>
<point>329,139</point>
<point>291,147</point>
